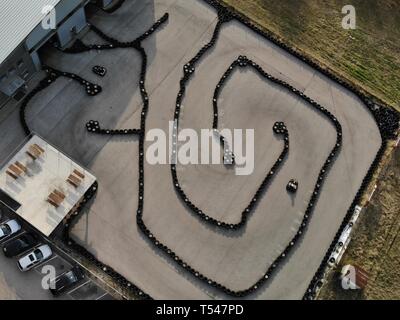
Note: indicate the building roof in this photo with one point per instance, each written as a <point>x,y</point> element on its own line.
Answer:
<point>18,18</point>
<point>49,172</point>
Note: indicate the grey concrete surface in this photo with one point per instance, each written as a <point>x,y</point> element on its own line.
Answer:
<point>236,260</point>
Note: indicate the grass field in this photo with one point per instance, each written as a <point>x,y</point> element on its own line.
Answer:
<point>368,56</point>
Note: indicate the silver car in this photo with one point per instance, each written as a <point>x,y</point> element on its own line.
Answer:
<point>8,228</point>
<point>34,257</point>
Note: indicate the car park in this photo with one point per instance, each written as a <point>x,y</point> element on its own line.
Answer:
<point>34,257</point>
<point>66,281</point>
<point>8,228</point>
<point>19,245</point>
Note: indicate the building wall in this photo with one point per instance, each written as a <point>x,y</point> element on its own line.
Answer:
<point>18,19</point>
<point>18,66</point>
<point>39,35</point>
<point>24,61</point>
<point>71,27</point>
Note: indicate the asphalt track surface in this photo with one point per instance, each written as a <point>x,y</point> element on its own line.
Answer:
<point>235,259</point>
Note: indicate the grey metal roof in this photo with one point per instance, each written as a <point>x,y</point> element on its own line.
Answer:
<point>17,20</point>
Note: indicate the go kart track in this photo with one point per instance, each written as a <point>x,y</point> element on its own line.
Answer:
<point>200,231</point>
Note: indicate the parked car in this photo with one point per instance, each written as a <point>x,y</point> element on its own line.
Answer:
<point>8,228</point>
<point>19,245</point>
<point>34,257</point>
<point>66,281</point>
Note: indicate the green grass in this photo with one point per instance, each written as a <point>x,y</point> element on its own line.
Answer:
<point>368,56</point>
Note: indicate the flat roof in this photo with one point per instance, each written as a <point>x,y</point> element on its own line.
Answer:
<point>47,173</point>
<point>18,18</point>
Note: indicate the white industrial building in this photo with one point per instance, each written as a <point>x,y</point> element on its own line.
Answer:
<point>25,26</point>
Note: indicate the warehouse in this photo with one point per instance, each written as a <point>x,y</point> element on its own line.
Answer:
<point>25,26</point>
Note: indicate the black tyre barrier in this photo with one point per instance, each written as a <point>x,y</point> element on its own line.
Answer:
<point>52,76</point>
<point>279,128</point>
<point>94,127</point>
<point>79,46</point>
<point>99,70</point>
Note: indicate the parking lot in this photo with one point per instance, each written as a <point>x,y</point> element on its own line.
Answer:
<point>109,230</point>
<point>15,284</point>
